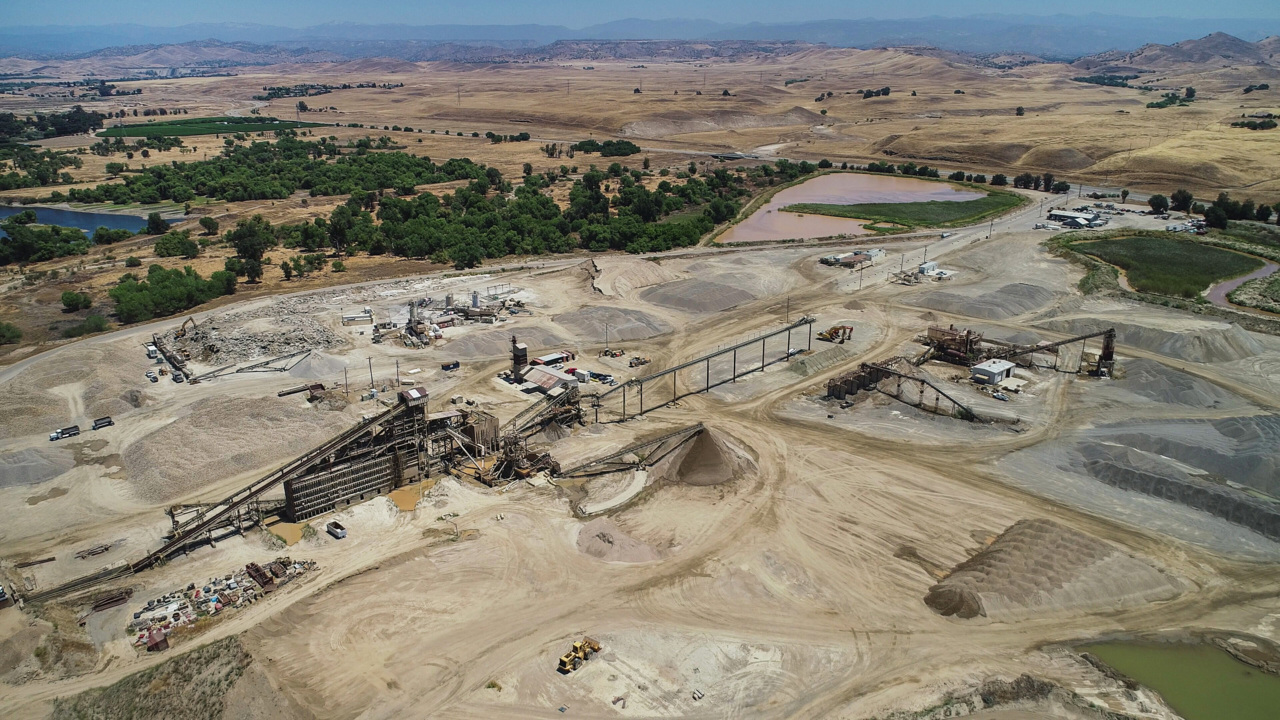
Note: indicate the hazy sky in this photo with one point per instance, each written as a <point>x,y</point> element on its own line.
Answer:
<point>573,13</point>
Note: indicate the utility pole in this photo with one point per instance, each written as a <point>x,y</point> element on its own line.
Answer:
<point>371,383</point>
<point>859,277</point>
<point>397,374</point>
<point>346,389</point>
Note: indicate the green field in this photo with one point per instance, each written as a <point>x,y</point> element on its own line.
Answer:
<point>1169,265</point>
<point>931,214</point>
<point>204,126</point>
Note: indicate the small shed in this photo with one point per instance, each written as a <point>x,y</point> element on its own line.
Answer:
<point>991,372</point>
<point>157,640</point>
<point>548,379</point>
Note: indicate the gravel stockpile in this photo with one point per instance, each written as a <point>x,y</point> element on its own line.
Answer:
<point>1164,384</point>
<point>1130,469</point>
<point>1038,567</point>
<point>696,296</point>
<point>623,324</point>
<point>497,343</point>
<point>1214,342</point>
<point>34,465</point>
<point>710,459</point>
<point>1245,450</point>
<point>1008,301</point>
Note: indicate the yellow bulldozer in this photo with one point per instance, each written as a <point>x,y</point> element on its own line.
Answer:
<point>836,333</point>
<point>583,650</point>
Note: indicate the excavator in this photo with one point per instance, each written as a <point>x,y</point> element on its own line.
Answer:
<point>181,332</point>
<point>637,361</point>
<point>583,650</point>
<point>836,334</point>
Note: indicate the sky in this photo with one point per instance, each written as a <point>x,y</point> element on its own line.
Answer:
<point>574,13</point>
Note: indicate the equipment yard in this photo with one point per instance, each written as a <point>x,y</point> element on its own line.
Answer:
<point>888,473</point>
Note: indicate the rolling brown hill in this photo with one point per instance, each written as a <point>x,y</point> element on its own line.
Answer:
<point>1212,51</point>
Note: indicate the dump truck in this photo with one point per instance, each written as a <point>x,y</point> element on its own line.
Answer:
<point>103,422</point>
<point>582,651</point>
<point>66,432</point>
<point>336,529</point>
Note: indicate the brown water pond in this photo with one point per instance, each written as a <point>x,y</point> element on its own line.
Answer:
<point>769,223</point>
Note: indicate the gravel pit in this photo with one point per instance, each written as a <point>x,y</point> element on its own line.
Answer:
<point>602,538</point>
<point>1037,567</point>
<point>497,343</point>
<point>697,296</point>
<point>590,323</point>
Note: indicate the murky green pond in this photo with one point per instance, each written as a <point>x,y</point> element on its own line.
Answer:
<point>1201,682</point>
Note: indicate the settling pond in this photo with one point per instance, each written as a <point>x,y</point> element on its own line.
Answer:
<point>86,221</point>
<point>769,223</point>
<point>1200,682</point>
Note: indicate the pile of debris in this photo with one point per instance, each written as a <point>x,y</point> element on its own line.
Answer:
<point>231,339</point>
<point>154,622</point>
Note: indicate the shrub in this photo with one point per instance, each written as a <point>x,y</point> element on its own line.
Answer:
<point>339,266</point>
<point>91,324</point>
<point>132,261</point>
<point>9,333</point>
<point>175,244</point>
<point>74,301</point>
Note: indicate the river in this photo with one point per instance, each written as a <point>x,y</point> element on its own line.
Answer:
<point>1200,682</point>
<point>86,221</point>
<point>769,223</point>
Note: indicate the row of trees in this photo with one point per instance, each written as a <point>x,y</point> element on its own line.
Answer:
<point>165,292</point>
<point>46,125</point>
<point>35,168</point>
<point>1046,181</point>
<point>608,148</point>
<point>263,171</point>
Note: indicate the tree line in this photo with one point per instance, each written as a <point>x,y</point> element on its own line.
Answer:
<point>46,125</point>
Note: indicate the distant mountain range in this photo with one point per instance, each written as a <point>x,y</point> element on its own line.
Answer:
<point>1214,50</point>
<point>1056,37</point>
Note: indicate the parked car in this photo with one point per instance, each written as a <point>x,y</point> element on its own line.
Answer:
<point>152,376</point>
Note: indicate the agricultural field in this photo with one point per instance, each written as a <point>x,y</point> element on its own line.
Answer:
<point>928,214</point>
<point>205,126</point>
<point>1169,265</point>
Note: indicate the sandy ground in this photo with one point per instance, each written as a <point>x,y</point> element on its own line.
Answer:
<point>779,570</point>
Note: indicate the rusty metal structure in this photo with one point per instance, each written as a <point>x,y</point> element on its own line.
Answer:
<point>883,377</point>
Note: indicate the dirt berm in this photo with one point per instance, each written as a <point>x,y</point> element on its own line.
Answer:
<point>1038,567</point>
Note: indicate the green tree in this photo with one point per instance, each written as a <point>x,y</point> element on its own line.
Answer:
<point>174,244</point>
<point>1181,200</point>
<point>9,333</point>
<point>115,168</point>
<point>74,301</point>
<point>1124,196</point>
<point>210,225</point>
<point>1021,111</point>
<point>252,238</point>
<point>528,169</point>
<point>252,270</point>
<point>287,269</point>
<point>1215,217</point>
<point>156,225</point>
<point>339,266</point>
<point>1191,93</point>
<point>302,107</point>
<point>645,163</point>
<point>132,261</point>
<point>997,179</point>
<point>1159,204</point>
<point>1263,213</point>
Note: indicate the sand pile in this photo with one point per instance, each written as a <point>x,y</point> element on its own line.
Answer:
<point>1038,566</point>
<point>1210,343</point>
<point>217,438</point>
<point>821,360</point>
<point>619,276</point>
<point>34,465</point>
<point>1008,301</point>
<point>497,343</point>
<point>550,433</point>
<point>590,323</point>
<point>602,538</point>
<point>1164,384</point>
<point>710,459</point>
<point>318,366</point>
<point>698,296</point>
